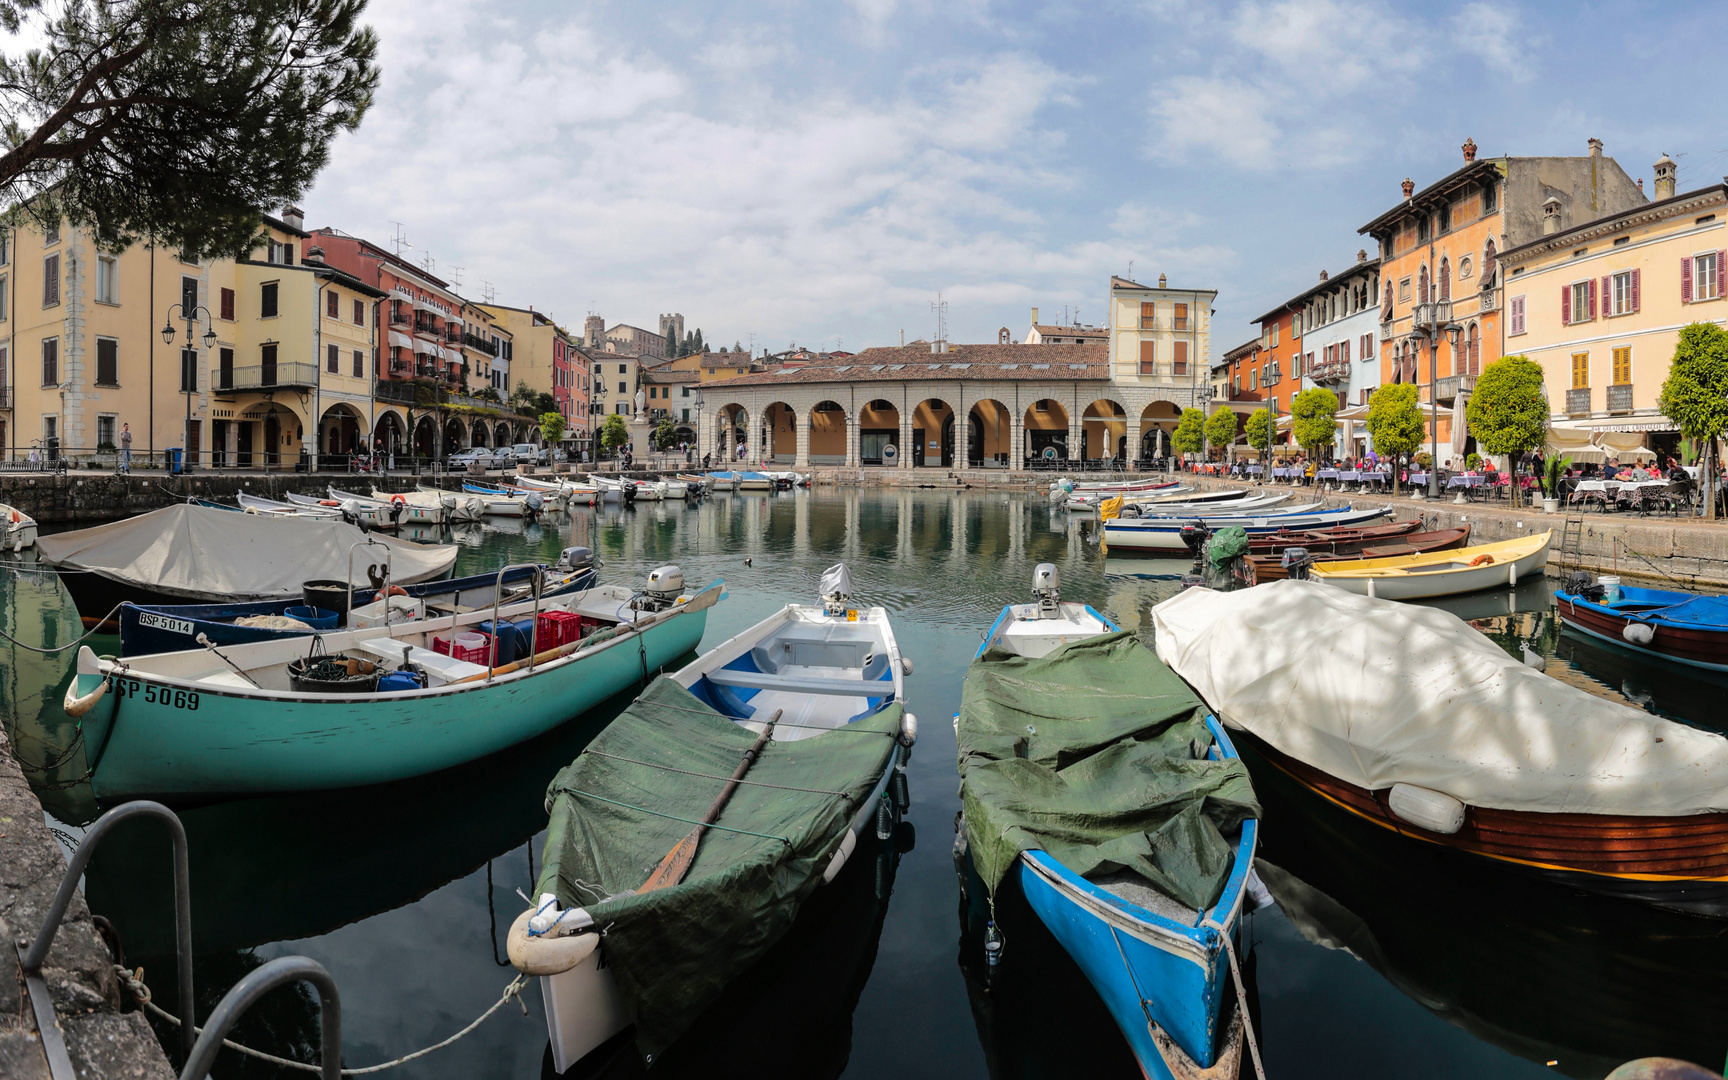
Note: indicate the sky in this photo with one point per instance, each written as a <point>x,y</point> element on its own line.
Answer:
<point>817,174</point>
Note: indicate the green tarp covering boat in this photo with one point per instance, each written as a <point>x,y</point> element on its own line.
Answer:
<point>1096,755</point>
<point>636,791</point>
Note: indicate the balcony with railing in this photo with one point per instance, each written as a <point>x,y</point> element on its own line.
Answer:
<point>1330,371</point>
<point>280,375</point>
<point>475,341</point>
<point>426,325</point>
<point>1620,398</point>
<point>452,334</point>
<point>1578,401</point>
<point>1488,300</point>
<point>1449,387</point>
<point>5,397</point>
<point>401,318</point>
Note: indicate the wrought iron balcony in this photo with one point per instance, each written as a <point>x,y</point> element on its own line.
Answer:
<point>1620,398</point>
<point>1488,300</point>
<point>1578,402</point>
<point>280,375</point>
<point>1334,371</point>
<point>5,397</point>
<point>475,341</point>
<point>401,318</point>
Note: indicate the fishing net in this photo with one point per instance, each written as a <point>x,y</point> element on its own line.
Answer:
<point>620,807</point>
<point>1096,755</point>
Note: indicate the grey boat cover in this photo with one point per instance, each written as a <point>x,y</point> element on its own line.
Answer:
<point>1096,755</point>
<point>216,555</point>
<point>620,807</point>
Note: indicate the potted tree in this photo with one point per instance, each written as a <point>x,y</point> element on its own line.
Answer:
<point>1508,413</point>
<point>1551,493</point>
<point>1260,432</point>
<point>1395,423</point>
<point>1695,397</point>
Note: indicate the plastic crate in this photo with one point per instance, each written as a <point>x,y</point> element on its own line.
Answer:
<point>477,655</point>
<point>558,628</point>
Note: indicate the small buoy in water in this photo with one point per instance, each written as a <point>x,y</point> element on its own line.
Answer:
<point>746,561</point>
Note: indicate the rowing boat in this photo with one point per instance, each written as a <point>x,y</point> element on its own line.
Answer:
<point>411,513</point>
<point>1439,573</point>
<point>1407,717</point>
<point>829,681</point>
<point>17,529</point>
<point>1258,568</point>
<point>212,723</point>
<point>1095,780</point>
<point>255,504</point>
<point>1683,627</point>
<point>1167,534</point>
<point>1340,540</point>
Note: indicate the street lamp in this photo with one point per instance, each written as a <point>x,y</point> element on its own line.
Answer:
<point>1429,320</point>
<point>188,377</point>
<point>700,404</point>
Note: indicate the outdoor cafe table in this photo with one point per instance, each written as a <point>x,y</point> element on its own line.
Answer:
<point>1466,480</point>
<point>1326,474</point>
<point>1418,479</point>
<point>1254,470</point>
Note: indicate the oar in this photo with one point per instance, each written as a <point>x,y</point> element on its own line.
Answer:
<point>677,861</point>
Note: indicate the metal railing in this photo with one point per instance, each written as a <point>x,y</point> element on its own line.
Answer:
<point>264,376</point>
<point>1578,402</point>
<point>1620,398</point>
<point>5,397</point>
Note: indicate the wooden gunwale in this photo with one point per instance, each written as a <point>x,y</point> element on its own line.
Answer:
<point>1669,639</point>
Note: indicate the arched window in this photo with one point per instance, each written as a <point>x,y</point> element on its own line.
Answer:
<point>1445,279</point>
<point>1488,265</point>
<point>1422,285</point>
<point>1475,348</point>
<point>1386,307</point>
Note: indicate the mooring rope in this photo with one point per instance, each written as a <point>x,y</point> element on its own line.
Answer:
<point>100,623</point>
<point>134,981</point>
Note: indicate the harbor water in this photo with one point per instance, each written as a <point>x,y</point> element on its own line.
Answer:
<point>1380,956</point>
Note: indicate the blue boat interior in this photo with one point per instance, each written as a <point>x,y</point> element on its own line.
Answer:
<point>1705,612</point>
<point>820,675</point>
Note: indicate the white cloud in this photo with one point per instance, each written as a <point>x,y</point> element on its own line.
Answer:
<point>1498,36</point>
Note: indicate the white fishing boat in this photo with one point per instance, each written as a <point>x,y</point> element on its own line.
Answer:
<point>1172,535</point>
<point>1175,508</point>
<point>494,503</point>
<point>457,506</point>
<point>255,504</point>
<point>17,528</point>
<point>359,511</point>
<point>828,683</point>
<point>1439,573</point>
<point>616,489</point>
<point>569,492</point>
<point>411,513</point>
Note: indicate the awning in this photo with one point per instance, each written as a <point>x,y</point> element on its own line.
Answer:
<point>1624,444</point>
<point>425,348</point>
<point>457,319</point>
<point>1639,424</point>
<point>400,341</point>
<point>1570,440</point>
<point>421,305</point>
<point>1354,412</point>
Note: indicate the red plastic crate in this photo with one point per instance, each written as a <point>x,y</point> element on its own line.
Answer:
<point>481,655</point>
<point>558,628</point>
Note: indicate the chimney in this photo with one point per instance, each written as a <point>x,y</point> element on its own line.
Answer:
<point>1595,148</point>
<point>293,218</point>
<point>1409,187</point>
<point>1361,255</point>
<point>1551,216</point>
<point>1664,177</point>
<point>1469,150</point>
<point>1640,185</point>
<point>1324,275</point>
<point>1034,317</point>
<point>1161,280</point>
<point>314,254</point>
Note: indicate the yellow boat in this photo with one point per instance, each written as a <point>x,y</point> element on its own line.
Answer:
<point>1439,573</point>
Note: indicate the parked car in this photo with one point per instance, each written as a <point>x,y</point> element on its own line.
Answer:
<point>480,455</point>
<point>528,452</point>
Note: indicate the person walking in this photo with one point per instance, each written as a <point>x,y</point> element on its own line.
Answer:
<point>126,448</point>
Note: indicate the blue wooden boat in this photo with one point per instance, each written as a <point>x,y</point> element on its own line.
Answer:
<point>1684,627</point>
<point>158,628</point>
<point>1163,970</point>
<point>205,724</point>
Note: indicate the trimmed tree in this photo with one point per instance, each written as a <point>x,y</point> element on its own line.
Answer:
<point>1395,423</point>
<point>552,427</point>
<point>1260,431</point>
<point>613,433</point>
<point>1221,429</point>
<point>1190,436</point>
<point>1508,412</point>
<point>1695,397</point>
<point>665,435</point>
<point>1312,418</point>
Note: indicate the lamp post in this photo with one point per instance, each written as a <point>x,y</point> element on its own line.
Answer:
<point>188,378</point>
<point>1428,321</point>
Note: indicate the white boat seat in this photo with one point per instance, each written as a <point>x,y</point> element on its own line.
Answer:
<point>801,684</point>
<point>441,668</point>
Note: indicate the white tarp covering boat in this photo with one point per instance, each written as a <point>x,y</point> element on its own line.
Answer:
<point>1376,693</point>
<point>192,551</point>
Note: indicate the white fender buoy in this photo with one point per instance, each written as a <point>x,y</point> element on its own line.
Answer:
<point>909,728</point>
<point>1426,809</point>
<point>905,665</point>
<point>76,706</point>
<point>847,843</point>
<point>1636,632</point>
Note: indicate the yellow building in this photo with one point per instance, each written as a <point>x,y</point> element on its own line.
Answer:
<point>1162,338</point>
<point>280,349</point>
<point>1600,306</point>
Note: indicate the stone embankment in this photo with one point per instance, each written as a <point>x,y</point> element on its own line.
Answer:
<point>102,1041</point>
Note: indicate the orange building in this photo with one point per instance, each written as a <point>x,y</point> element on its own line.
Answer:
<point>1440,245</point>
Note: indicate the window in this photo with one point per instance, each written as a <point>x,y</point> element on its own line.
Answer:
<point>1367,346</point>
<point>107,362</point>
<point>1181,320</point>
<point>622,389</point>
<point>1254,379</point>
<point>1488,198</point>
<point>5,247</point>
<point>1422,229</point>
<point>3,298</point>
<point>1148,358</point>
<point>332,304</point>
<point>1699,277</point>
<point>1578,301</point>
<point>359,363</point>
<point>267,301</point>
<point>1147,313</point>
<point>686,392</point>
<point>51,234</point>
<point>1623,365</point>
<point>1580,370</point>
<point>107,287</point>
<point>105,430</point>
<point>188,371</point>
<point>1295,325</point>
<point>51,281</point>
<point>622,369</point>
<point>1179,358</point>
<point>332,359</point>
<point>1403,288</point>
<point>597,367</point>
<point>1515,314</point>
<point>1273,344</point>
<point>225,368</point>
<point>51,362</point>
<point>1624,293</point>
<point>188,296</point>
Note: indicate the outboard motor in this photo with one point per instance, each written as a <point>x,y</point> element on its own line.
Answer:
<point>1194,537</point>
<point>575,558</point>
<point>1584,584</point>
<point>532,503</point>
<point>1044,588</point>
<point>396,509</point>
<point>665,584</point>
<point>1296,562</point>
<point>836,589</point>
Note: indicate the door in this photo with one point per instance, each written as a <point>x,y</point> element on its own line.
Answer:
<point>218,443</point>
<point>243,445</point>
<point>272,440</point>
<point>193,429</point>
<point>918,443</point>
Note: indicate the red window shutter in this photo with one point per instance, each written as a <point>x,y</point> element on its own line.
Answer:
<point>1607,295</point>
<point>1344,355</point>
<point>1633,300</point>
<point>1721,264</point>
<point>1592,298</point>
<point>1686,280</point>
<point>1565,303</point>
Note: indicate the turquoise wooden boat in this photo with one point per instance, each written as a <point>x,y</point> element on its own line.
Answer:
<point>192,725</point>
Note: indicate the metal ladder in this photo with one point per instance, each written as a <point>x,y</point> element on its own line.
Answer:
<point>1571,542</point>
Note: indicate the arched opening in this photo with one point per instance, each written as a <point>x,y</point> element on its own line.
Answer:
<point>779,432</point>
<point>1445,279</point>
<point>933,434</point>
<point>453,435</point>
<point>501,433</point>
<point>1104,430</point>
<point>1474,355</point>
<point>1157,425</point>
<point>989,432</point>
<point>341,430</point>
<point>480,436</point>
<point>263,435</point>
<point>425,437</point>
<point>731,435</point>
<point>1046,431</point>
<point>388,436</point>
<point>828,434</point>
<point>879,433</point>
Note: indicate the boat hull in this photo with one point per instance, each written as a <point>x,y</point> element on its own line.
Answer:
<point>1692,646</point>
<point>170,739</point>
<point>1166,536</point>
<point>1271,567</point>
<point>1439,583</point>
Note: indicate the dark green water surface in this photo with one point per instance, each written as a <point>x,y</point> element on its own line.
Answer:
<point>1383,957</point>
